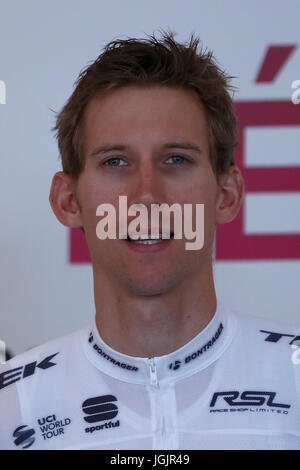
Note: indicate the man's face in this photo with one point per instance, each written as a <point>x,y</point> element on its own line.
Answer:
<point>152,125</point>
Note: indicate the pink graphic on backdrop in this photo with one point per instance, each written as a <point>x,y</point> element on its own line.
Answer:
<point>274,60</point>
<point>78,250</point>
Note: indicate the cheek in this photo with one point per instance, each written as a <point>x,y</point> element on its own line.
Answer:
<point>93,194</point>
<point>205,193</point>
<point>92,198</point>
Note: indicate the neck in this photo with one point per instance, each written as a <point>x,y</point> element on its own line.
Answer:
<point>148,326</point>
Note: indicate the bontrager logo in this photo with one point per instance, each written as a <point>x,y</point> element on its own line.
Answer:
<point>24,436</point>
<point>109,358</point>
<point>275,337</point>
<point>100,409</point>
<point>175,365</point>
<point>247,398</point>
<point>13,375</point>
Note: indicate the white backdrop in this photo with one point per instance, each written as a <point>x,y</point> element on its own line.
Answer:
<point>43,46</point>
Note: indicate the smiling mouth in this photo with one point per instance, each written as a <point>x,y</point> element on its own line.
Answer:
<point>149,239</point>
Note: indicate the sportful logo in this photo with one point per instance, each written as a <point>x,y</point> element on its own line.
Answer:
<point>176,364</point>
<point>100,409</point>
<point>13,375</point>
<point>248,398</point>
<point>24,436</point>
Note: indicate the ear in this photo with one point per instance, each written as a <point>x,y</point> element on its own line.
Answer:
<point>63,200</point>
<point>230,195</point>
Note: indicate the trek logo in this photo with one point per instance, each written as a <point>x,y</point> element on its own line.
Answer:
<point>24,436</point>
<point>13,375</point>
<point>247,398</point>
<point>100,409</point>
<point>275,337</point>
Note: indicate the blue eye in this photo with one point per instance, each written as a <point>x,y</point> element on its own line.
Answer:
<point>116,161</point>
<point>111,160</point>
<point>180,161</point>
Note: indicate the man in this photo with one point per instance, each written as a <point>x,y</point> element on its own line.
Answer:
<point>165,365</point>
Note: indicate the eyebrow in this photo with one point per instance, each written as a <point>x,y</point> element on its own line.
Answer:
<point>168,145</point>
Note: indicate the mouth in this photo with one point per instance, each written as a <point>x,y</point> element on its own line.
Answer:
<point>148,239</point>
<point>150,245</point>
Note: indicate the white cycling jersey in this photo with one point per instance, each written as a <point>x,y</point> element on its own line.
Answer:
<point>236,385</point>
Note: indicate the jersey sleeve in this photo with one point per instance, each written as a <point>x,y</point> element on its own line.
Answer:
<point>10,409</point>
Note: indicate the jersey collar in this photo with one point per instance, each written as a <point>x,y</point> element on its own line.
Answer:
<point>197,354</point>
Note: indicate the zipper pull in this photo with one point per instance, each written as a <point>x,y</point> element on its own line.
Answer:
<point>153,374</point>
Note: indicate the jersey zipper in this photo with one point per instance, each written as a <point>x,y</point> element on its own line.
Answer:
<point>154,382</point>
<point>153,372</point>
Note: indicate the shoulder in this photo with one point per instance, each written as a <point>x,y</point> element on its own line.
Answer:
<point>41,358</point>
<point>266,343</point>
<point>265,329</point>
<point>32,381</point>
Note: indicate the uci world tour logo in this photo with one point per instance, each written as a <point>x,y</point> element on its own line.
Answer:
<point>24,436</point>
<point>183,222</point>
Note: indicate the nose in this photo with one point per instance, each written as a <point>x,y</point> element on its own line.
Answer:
<point>147,187</point>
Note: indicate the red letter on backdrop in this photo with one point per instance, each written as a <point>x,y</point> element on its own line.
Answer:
<point>231,241</point>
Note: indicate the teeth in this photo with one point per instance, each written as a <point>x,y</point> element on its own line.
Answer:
<point>146,237</point>
<point>146,242</point>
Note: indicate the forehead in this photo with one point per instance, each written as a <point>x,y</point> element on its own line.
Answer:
<point>143,115</point>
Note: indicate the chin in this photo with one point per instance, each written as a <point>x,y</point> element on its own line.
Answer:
<point>155,285</point>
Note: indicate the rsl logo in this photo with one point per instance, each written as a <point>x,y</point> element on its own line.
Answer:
<point>251,401</point>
